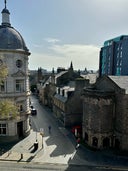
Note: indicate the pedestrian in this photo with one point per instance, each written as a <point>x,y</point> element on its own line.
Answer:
<point>49,128</point>
<point>78,143</point>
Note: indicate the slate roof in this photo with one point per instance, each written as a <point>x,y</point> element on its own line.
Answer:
<point>11,39</point>
<point>64,98</point>
<point>91,77</point>
<point>121,81</point>
<point>60,97</point>
<point>60,74</point>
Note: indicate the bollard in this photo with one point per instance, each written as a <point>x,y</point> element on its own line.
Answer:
<point>21,156</point>
<point>35,146</point>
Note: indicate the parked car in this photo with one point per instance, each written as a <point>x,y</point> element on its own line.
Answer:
<point>33,111</point>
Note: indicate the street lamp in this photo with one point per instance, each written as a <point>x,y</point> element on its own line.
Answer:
<point>42,134</point>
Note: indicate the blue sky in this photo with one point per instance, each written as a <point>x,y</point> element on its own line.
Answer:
<point>60,31</point>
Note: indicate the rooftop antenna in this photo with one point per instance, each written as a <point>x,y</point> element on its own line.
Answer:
<point>5,3</point>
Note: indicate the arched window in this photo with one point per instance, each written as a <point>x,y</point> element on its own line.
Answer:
<point>85,136</point>
<point>95,141</point>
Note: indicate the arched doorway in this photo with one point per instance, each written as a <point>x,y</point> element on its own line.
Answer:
<point>106,142</point>
<point>117,144</point>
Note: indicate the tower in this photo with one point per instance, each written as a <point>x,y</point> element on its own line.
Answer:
<point>14,54</point>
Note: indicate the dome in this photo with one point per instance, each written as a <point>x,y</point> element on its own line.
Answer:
<point>11,39</point>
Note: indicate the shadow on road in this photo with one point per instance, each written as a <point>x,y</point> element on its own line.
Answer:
<point>61,143</point>
<point>4,147</point>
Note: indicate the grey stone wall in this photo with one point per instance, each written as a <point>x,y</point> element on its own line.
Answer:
<point>98,114</point>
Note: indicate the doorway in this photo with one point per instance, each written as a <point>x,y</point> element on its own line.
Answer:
<point>20,129</point>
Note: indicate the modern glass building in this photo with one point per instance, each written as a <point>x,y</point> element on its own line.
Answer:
<point>114,57</point>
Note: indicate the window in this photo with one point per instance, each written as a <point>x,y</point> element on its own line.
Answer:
<point>19,63</point>
<point>95,142</point>
<point>86,136</point>
<point>2,129</point>
<point>62,92</point>
<point>120,62</point>
<point>21,108</point>
<point>2,87</point>
<point>118,71</point>
<point>1,62</point>
<point>19,85</point>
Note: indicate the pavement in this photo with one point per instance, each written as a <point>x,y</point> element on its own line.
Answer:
<point>24,151</point>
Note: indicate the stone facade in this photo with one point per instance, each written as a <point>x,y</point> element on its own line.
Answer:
<point>61,92</point>
<point>67,103</point>
<point>105,113</point>
<point>14,55</point>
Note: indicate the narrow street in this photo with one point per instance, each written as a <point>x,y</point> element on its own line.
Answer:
<point>57,143</point>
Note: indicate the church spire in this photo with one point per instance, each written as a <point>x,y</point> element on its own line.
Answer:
<point>5,15</point>
<point>5,3</point>
<point>71,66</point>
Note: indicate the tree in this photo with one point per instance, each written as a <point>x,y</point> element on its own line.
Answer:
<point>3,72</point>
<point>8,109</point>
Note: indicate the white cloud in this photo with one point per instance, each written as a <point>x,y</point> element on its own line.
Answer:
<point>51,40</point>
<point>37,45</point>
<point>61,55</point>
<point>81,55</point>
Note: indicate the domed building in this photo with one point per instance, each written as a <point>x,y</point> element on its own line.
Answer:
<point>14,55</point>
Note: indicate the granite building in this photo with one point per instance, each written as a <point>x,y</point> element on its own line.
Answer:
<point>105,113</point>
<point>14,54</point>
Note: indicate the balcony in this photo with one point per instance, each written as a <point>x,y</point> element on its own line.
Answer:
<point>14,94</point>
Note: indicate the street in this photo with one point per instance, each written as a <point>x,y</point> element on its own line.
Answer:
<point>56,142</point>
<point>56,149</point>
<point>12,166</point>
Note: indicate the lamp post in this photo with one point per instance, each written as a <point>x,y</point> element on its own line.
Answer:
<point>42,134</point>
<point>36,135</point>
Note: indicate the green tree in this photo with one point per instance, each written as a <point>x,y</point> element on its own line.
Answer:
<point>3,72</point>
<point>3,69</point>
<point>8,109</point>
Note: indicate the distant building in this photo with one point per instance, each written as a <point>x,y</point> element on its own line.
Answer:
<point>14,54</point>
<point>105,113</point>
<point>114,57</point>
<point>61,93</point>
<point>64,76</point>
<point>67,103</point>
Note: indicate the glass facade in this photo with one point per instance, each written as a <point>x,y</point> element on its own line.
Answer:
<point>114,57</point>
